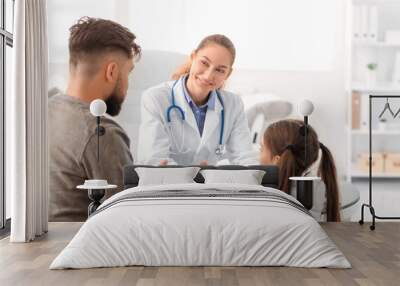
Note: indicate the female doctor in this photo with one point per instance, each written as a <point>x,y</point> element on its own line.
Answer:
<point>191,120</point>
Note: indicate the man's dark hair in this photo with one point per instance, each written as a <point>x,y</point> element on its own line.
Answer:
<point>93,36</point>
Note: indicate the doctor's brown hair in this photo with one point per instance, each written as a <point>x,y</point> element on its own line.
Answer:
<point>92,37</point>
<point>284,138</point>
<point>216,39</point>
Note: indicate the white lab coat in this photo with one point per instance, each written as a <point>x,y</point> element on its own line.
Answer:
<point>155,143</point>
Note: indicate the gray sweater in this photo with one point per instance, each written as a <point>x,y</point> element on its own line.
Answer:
<point>73,156</point>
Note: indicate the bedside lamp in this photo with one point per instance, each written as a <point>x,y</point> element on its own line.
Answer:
<point>98,108</point>
<point>304,185</point>
<point>96,187</point>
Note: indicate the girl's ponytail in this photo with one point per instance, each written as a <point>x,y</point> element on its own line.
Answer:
<point>287,168</point>
<point>327,171</point>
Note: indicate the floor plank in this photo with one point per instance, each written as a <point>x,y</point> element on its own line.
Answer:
<point>374,255</point>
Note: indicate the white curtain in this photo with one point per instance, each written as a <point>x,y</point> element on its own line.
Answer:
<point>26,117</point>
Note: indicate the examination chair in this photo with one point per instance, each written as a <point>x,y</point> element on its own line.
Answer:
<point>263,108</point>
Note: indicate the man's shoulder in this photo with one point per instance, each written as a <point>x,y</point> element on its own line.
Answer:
<point>61,97</point>
<point>66,112</point>
<point>113,128</point>
<point>61,105</point>
<point>56,99</point>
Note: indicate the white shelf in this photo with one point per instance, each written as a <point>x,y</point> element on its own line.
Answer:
<point>376,2</point>
<point>355,173</point>
<point>360,53</point>
<point>384,87</point>
<point>376,132</point>
<point>361,43</point>
<point>375,175</point>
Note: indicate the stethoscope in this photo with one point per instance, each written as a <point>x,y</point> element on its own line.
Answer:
<point>220,150</point>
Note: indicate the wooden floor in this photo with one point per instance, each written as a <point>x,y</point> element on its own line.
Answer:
<point>374,255</point>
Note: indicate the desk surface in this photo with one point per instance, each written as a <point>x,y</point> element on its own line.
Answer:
<point>375,256</point>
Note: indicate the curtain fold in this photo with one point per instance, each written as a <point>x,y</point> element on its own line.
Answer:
<point>27,120</point>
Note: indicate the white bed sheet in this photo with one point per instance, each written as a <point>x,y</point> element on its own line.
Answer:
<point>200,231</point>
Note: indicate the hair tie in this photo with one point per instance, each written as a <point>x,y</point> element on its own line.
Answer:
<point>321,145</point>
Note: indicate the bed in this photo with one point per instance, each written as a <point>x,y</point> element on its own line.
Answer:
<point>201,224</point>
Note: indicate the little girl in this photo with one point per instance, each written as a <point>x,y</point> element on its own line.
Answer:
<point>283,145</point>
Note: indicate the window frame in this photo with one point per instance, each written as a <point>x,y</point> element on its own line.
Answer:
<point>6,39</point>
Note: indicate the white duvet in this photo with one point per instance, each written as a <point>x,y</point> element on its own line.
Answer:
<point>207,230</point>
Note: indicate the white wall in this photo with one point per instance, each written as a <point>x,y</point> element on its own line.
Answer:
<point>294,49</point>
<point>268,34</point>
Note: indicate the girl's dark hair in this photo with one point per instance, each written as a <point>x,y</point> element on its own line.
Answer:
<point>90,37</point>
<point>284,138</point>
<point>217,39</point>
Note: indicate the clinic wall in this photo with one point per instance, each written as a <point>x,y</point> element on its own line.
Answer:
<point>268,34</point>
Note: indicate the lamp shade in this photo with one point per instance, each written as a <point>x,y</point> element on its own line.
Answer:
<point>306,107</point>
<point>98,107</point>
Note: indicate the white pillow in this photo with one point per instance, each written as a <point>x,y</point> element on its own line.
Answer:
<point>166,176</point>
<point>248,177</point>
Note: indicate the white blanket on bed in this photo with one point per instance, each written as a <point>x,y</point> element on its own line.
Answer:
<point>204,230</point>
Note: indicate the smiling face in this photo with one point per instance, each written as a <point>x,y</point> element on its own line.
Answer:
<point>211,66</point>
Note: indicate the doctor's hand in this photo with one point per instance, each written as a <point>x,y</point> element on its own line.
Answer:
<point>203,163</point>
<point>163,162</point>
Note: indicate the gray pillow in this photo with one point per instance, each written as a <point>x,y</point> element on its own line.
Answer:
<point>166,176</point>
<point>248,177</point>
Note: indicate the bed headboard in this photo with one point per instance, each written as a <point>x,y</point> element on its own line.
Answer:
<point>270,179</point>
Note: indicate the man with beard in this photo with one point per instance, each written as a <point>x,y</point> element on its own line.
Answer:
<point>102,55</point>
